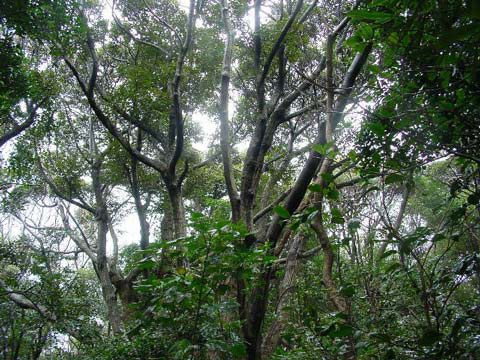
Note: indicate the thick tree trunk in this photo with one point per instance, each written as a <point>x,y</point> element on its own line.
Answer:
<point>167,230</point>
<point>127,294</point>
<point>178,211</point>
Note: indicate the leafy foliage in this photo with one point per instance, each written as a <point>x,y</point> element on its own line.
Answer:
<point>337,218</point>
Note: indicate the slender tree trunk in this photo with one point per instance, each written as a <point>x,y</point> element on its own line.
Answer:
<point>398,221</point>
<point>102,219</point>
<point>224,121</point>
<point>108,290</point>
<point>285,290</point>
<point>141,208</point>
<point>102,265</point>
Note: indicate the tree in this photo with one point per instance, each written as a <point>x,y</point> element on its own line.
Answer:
<point>341,115</point>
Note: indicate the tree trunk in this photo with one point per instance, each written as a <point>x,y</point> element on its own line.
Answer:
<point>108,289</point>
<point>102,219</point>
<point>285,290</point>
<point>178,211</point>
<point>166,227</point>
<point>398,222</point>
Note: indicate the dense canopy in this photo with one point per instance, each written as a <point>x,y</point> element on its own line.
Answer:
<point>215,179</point>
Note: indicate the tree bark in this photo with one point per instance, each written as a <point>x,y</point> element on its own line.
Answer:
<point>167,231</point>
<point>224,121</point>
<point>19,128</point>
<point>398,222</point>
<point>178,211</point>
<point>24,303</point>
<point>285,290</point>
<point>102,219</point>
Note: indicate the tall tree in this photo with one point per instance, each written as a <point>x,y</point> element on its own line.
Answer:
<point>339,113</point>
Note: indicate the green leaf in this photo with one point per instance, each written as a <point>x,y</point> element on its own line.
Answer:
<point>341,315</point>
<point>321,148</point>
<point>382,338</point>
<point>332,194</point>
<point>393,38</point>
<point>377,128</point>
<point>393,267</point>
<point>326,330</point>
<point>181,271</point>
<point>282,212</point>
<point>365,31</point>
<point>327,177</point>
<point>196,215</point>
<point>464,265</point>
<point>438,237</point>
<point>377,16</point>
<point>458,214</point>
<point>352,155</point>
<point>341,330</point>
<point>356,43</point>
<point>315,188</point>
<point>295,225</point>
<point>390,354</point>
<point>457,325</point>
<point>387,254</point>
<point>429,337</point>
<point>146,264</point>
<point>338,220</point>
<point>474,199</point>
<point>201,227</point>
<point>455,35</point>
<point>455,186</point>
<point>337,217</point>
<point>336,212</point>
<point>222,289</point>
<point>181,346</point>
<point>238,351</point>
<point>393,178</point>
<point>347,290</point>
<point>392,164</point>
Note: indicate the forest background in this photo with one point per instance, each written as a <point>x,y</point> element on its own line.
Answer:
<point>345,226</point>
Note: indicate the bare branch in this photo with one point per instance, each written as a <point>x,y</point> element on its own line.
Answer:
<point>81,243</point>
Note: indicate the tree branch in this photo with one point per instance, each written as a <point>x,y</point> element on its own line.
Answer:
<point>107,123</point>
<point>278,43</point>
<point>25,303</point>
<point>224,125</point>
<point>17,129</point>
